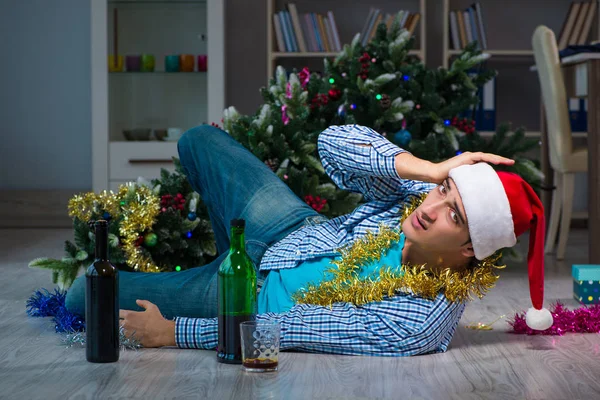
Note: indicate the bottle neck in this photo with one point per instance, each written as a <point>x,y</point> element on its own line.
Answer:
<point>102,243</point>
<point>237,240</point>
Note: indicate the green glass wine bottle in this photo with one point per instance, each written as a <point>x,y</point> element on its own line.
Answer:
<point>236,294</point>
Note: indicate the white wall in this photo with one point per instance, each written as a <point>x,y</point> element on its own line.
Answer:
<point>45,94</point>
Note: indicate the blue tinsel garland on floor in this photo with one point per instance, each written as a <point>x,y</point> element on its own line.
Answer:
<point>42,303</point>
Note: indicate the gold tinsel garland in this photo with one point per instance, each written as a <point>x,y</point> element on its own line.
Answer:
<point>347,286</point>
<point>136,204</point>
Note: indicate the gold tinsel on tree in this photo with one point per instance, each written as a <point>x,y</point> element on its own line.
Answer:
<point>136,204</point>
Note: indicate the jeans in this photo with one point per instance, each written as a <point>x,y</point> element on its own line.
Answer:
<point>233,183</point>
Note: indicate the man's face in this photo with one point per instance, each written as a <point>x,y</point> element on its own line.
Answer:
<point>439,224</point>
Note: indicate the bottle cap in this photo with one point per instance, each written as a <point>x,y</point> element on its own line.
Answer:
<point>238,223</point>
<point>101,223</point>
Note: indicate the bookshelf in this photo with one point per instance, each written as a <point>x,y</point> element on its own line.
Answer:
<point>349,19</point>
<point>132,111</point>
<point>517,93</point>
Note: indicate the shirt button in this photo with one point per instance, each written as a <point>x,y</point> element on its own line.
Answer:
<point>298,252</point>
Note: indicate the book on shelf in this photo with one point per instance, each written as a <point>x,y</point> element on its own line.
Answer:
<point>293,11</point>
<point>314,32</point>
<point>408,21</point>
<point>467,26</point>
<point>305,32</point>
<point>578,23</point>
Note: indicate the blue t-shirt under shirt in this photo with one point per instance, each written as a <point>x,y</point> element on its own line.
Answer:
<point>275,295</point>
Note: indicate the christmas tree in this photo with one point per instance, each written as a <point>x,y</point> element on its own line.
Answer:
<point>154,226</point>
<point>381,86</point>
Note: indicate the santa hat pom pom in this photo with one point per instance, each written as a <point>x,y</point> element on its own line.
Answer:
<point>539,320</point>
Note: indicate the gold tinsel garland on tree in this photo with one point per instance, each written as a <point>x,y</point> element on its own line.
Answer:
<point>346,285</point>
<point>136,204</point>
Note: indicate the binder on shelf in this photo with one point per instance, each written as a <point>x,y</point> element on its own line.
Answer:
<point>475,112</point>
<point>578,114</point>
<point>488,112</point>
<point>584,115</point>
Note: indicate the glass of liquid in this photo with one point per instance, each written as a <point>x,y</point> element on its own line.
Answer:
<point>260,346</point>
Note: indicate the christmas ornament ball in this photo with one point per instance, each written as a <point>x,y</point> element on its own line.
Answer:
<point>150,239</point>
<point>341,111</point>
<point>402,138</point>
<point>191,216</point>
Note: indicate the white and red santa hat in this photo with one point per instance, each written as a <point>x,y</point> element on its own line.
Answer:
<point>500,206</point>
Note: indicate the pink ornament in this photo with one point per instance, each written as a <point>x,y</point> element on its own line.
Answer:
<point>304,76</point>
<point>284,117</point>
<point>285,177</point>
<point>288,90</point>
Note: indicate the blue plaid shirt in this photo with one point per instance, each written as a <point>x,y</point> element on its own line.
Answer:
<point>360,160</point>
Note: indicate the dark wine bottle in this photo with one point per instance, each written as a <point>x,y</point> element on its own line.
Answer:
<point>102,303</point>
<point>236,294</point>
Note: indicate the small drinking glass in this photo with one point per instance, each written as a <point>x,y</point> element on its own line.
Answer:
<point>260,346</point>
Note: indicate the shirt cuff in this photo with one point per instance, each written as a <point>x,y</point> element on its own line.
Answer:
<point>196,333</point>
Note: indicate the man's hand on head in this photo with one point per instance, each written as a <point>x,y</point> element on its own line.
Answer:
<point>149,326</point>
<point>440,171</point>
<point>411,167</point>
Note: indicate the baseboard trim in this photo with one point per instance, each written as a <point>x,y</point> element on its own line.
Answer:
<point>36,208</point>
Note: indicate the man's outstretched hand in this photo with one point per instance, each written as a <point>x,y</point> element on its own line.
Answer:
<point>149,326</point>
<point>441,170</point>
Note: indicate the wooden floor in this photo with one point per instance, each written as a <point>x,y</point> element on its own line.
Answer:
<point>479,364</point>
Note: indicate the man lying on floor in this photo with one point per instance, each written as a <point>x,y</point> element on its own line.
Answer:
<point>436,230</point>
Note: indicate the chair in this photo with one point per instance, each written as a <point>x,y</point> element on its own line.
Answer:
<point>564,160</point>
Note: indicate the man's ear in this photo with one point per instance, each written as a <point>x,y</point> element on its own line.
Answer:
<point>467,250</point>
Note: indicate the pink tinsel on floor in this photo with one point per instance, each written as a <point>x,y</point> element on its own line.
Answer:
<point>581,320</point>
